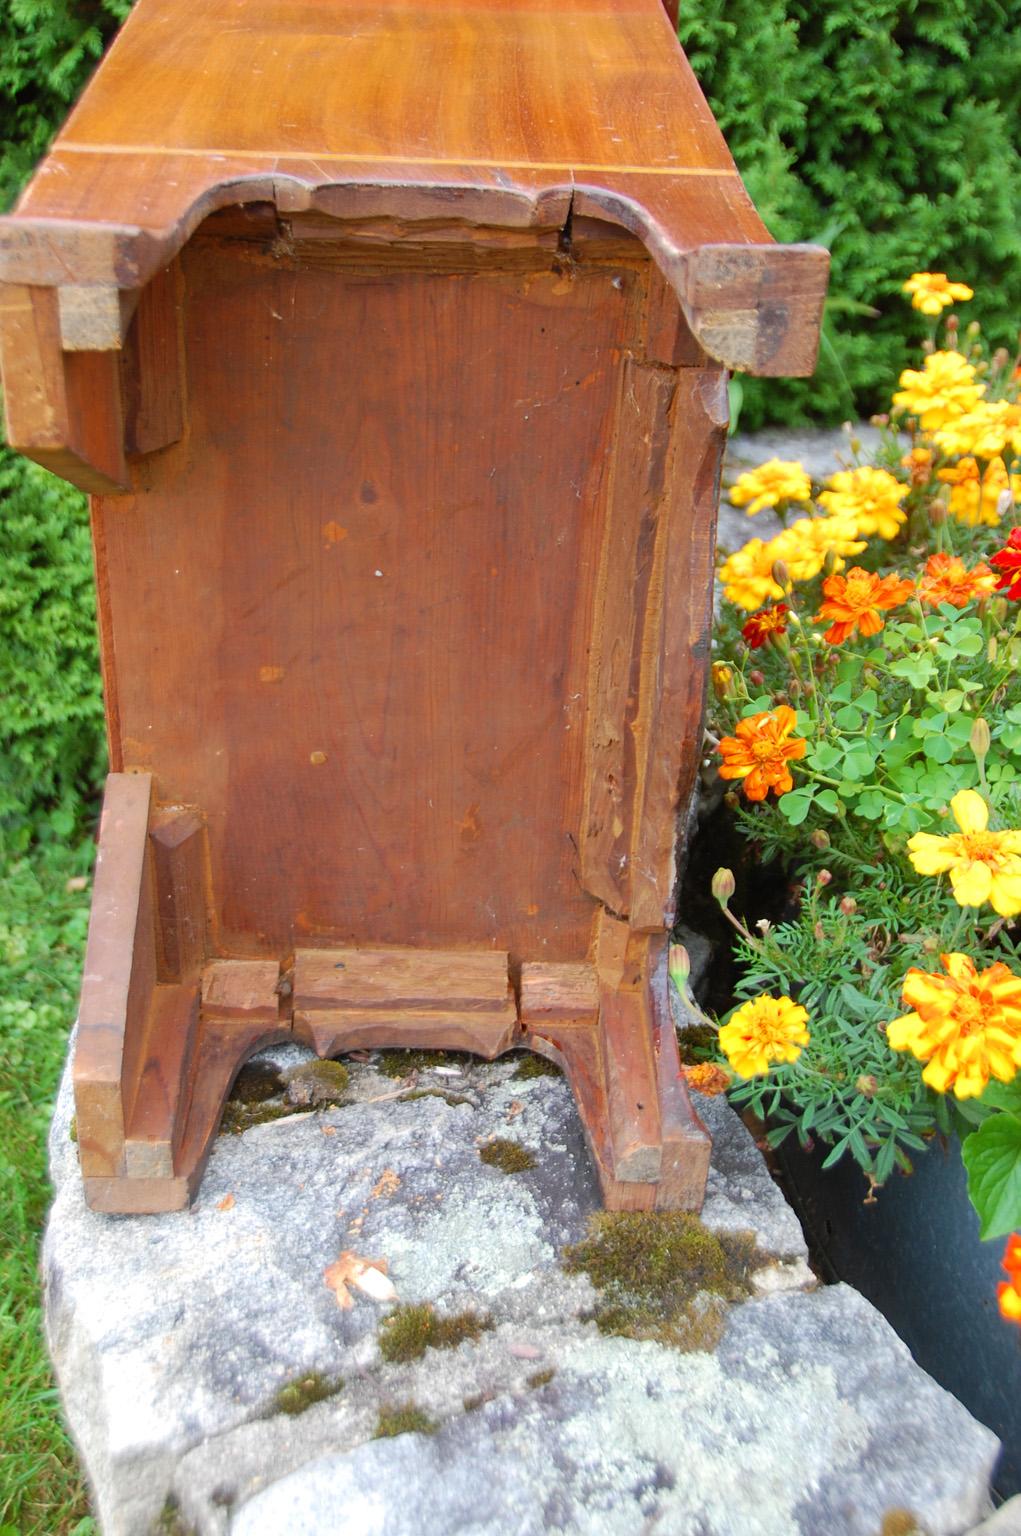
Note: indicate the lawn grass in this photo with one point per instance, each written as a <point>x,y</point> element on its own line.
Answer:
<point>42,936</point>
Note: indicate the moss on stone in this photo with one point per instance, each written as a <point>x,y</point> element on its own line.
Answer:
<point>508,1156</point>
<point>400,1064</point>
<point>453,1099</point>
<point>663,1276</point>
<point>697,1042</point>
<point>317,1082</point>
<point>403,1419</point>
<point>541,1378</point>
<point>534,1065</point>
<point>295,1396</point>
<point>256,1082</point>
<point>170,1521</point>
<point>238,1118</point>
<point>901,1522</point>
<point>72,1129</point>
<point>409,1330</point>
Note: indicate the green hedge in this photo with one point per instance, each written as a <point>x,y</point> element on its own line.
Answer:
<point>888,131</point>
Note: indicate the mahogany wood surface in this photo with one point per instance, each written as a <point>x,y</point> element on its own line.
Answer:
<point>391,341</point>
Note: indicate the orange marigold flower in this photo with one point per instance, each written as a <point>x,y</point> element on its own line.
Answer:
<point>779,480</point>
<point>872,497</point>
<point>1008,1292</point>
<point>768,621</point>
<point>855,602</point>
<point>948,580</point>
<point>942,390</point>
<point>966,1025</point>
<point>760,751</point>
<point>919,462</point>
<point>931,292</point>
<point>1008,562</point>
<point>765,1030</point>
<point>707,1077</point>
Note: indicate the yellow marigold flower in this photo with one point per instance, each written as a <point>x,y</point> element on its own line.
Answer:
<point>966,1025</point>
<point>747,575</point>
<point>931,292</point>
<point>760,751</point>
<point>947,579</point>
<point>803,546</point>
<point>722,675</point>
<point>779,480</point>
<point>975,496</point>
<point>987,431</point>
<point>872,497</point>
<point>944,389</point>
<point>983,865</point>
<point>765,1030</point>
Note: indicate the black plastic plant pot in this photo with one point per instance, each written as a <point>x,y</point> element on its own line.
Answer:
<point>915,1254</point>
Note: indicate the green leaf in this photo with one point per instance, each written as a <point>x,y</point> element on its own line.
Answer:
<point>795,805</point>
<point>849,718</point>
<point>824,756</point>
<point>916,669</point>
<point>992,1157</point>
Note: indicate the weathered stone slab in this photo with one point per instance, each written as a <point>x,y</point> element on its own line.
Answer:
<point>173,1334</point>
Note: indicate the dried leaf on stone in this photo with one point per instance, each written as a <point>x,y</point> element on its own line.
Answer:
<point>226,1203</point>
<point>367,1275</point>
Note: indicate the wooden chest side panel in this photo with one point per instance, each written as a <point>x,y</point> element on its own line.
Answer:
<point>348,615</point>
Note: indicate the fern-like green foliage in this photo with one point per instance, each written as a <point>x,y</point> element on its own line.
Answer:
<point>888,131</point>
<point>52,747</point>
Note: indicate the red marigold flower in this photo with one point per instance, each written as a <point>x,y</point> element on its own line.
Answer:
<point>1008,563</point>
<point>855,602</point>
<point>760,752</point>
<point>768,621</point>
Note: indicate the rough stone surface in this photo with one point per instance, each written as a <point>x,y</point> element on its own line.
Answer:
<point>173,1334</point>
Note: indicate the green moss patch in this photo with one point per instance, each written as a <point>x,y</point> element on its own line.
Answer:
<point>533,1065</point>
<point>295,1396</point>
<point>238,1118</point>
<point>400,1064</point>
<point>405,1419</point>
<point>317,1082</point>
<point>697,1042</point>
<point>408,1331</point>
<point>663,1276</point>
<point>541,1378</point>
<point>453,1099</point>
<point>508,1156</point>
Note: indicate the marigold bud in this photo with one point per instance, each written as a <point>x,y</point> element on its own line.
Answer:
<point>867,1085</point>
<point>980,738</point>
<point>974,329</point>
<point>679,966</point>
<point>848,906</point>
<point>820,838</point>
<point>820,933</point>
<point>732,799</point>
<point>1001,357</point>
<point>722,677</point>
<point>991,650</point>
<point>952,323</point>
<point>756,677</point>
<point>881,419</point>
<point>723,886</point>
<point>829,563</point>
<point>937,513</point>
<point>781,575</point>
<point>823,877</point>
<point>855,445</point>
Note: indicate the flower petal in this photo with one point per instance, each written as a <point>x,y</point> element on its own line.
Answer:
<point>972,883</point>
<point>970,812</point>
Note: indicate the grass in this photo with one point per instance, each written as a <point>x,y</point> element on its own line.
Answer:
<point>42,937</point>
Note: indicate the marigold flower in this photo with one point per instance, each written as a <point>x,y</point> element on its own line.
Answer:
<point>1008,563</point>
<point>707,1077</point>
<point>855,602</point>
<point>765,1030</point>
<point>975,497</point>
<point>1008,1292</point>
<point>805,546</point>
<point>760,751</point>
<point>987,431</point>
<point>722,676</point>
<point>768,621</point>
<point>946,387</point>
<point>871,497</point>
<point>747,576</point>
<point>931,292</point>
<point>779,480</point>
<point>919,462</point>
<point>948,580</point>
<point>983,865</point>
<point>966,1025</point>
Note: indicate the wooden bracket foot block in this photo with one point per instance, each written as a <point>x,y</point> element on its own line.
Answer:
<point>457,1000</point>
